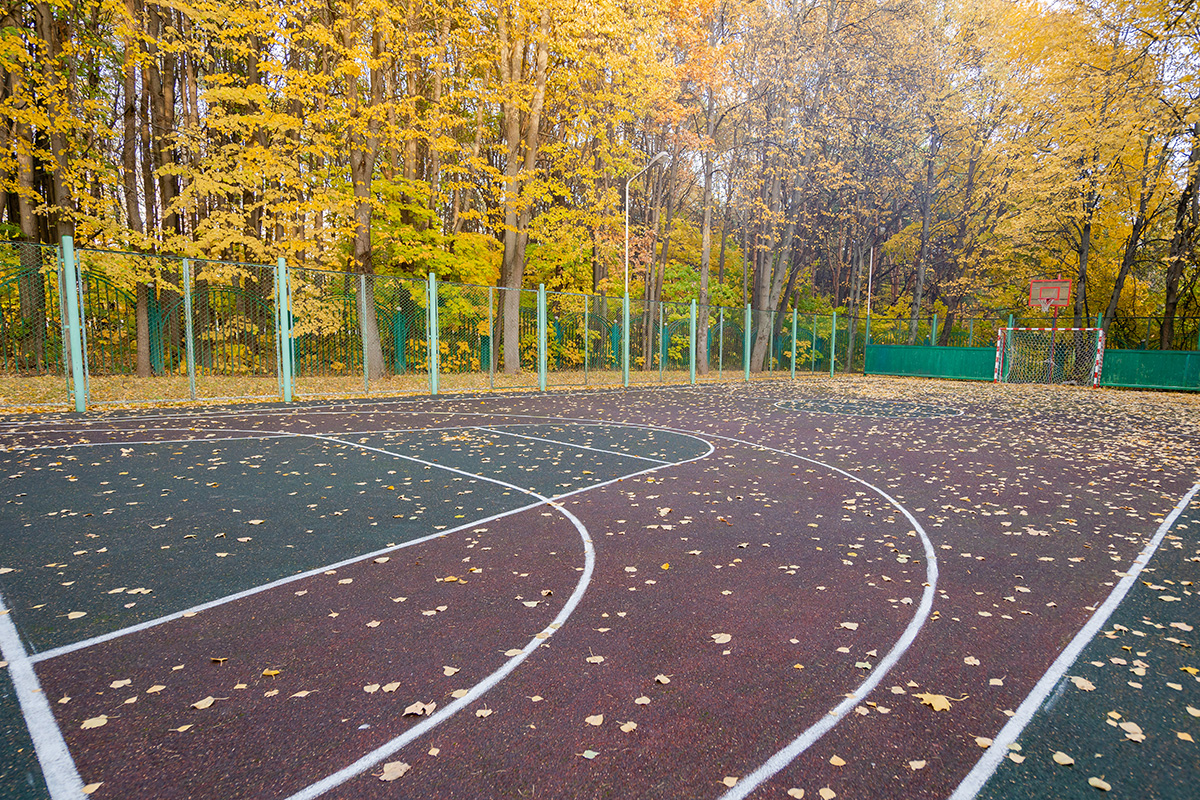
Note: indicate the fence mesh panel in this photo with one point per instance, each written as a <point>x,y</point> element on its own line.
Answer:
<point>32,364</point>
<point>675,346</point>
<point>327,332</point>
<point>398,342</point>
<point>464,336</point>
<point>569,348</point>
<point>234,330</point>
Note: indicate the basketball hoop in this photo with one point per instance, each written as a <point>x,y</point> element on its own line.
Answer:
<point>1049,293</point>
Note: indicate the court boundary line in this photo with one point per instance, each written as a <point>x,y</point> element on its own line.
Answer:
<point>572,444</point>
<point>251,591</point>
<point>986,766</point>
<point>58,767</point>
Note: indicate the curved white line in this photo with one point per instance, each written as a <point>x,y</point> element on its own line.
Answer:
<point>987,764</point>
<point>814,732</point>
<point>220,601</point>
<point>477,691</point>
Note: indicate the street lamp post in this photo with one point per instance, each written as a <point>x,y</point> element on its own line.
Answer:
<point>625,314</point>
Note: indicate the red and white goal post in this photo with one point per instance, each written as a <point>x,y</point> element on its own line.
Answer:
<point>1066,356</point>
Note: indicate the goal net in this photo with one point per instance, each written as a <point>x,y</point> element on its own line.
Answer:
<point>1071,356</point>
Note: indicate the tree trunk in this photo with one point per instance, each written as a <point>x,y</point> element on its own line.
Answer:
<point>926,213</point>
<point>1183,241</point>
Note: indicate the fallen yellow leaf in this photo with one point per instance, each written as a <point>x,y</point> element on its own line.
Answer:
<point>205,703</point>
<point>729,781</point>
<point>91,787</point>
<point>95,722</point>
<point>1062,758</point>
<point>837,761</point>
<point>393,770</point>
<point>1097,783</point>
<point>595,719</point>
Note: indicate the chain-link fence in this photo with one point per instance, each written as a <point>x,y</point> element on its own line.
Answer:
<point>165,328</point>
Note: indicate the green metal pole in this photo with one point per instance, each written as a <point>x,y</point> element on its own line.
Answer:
<point>933,330</point>
<point>793,343</point>
<point>541,319</point>
<point>721,345</point>
<point>662,346</point>
<point>431,316</point>
<point>188,327</point>
<point>74,329</point>
<point>491,339</point>
<point>746,343</point>
<point>625,339</point>
<point>587,305</point>
<point>1010,320</point>
<point>283,303</point>
<point>362,326</point>
<point>833,344</point>
<point>692,334</point>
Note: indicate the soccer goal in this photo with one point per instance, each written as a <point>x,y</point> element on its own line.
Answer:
<point>1069,356</point>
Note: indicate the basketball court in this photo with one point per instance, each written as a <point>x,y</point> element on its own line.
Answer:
<point>853,588</point>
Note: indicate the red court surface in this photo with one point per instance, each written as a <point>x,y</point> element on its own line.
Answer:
<point>781,589</point>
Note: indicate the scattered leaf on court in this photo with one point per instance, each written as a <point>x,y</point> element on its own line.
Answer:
<point>513,652</point>
<point>1016,758</point>
<point>798,794</point>
<point>1187,737</point>
<point>626,727</point>
<point>827,793</point>
<point>537,698</point>
<point>433,751</point>
<point>62,701</point>
<point>589,754</point>
<point>1097,783</point>
<point>1062,758</point>
<point>850,626</point>
<point>1083,683</point>
<point>642,701</point>
<point>371,688</point>
<point>420,709</point>
<point>996,682</point>
<point>205,703</point>
<point>391,687</point>
<point>916,765</point>
<point>271,693</point>
<point>837,761</point>
<point>938,702</point>
<point>382,560</point>
<point>660,678</point>
<point>373,623</point>
<point>729,781</point>
<point>120,684</point>
<point>1195,712</point>
<point>483,712</point>
<point>91,787</point>
<point>393,770</point>
<point>255,521</point>
<point>76,614</point>
<point>983,741</point>
<point>218,660</point>
<point>722,638</point>
<point>971,661</point>
<point>346,580</point>
<point>182,728</point>
<point>458,693</point>
<point>270,673</point>
<point>594,659</point>
<point>95,722</point>
<point>595,719</point>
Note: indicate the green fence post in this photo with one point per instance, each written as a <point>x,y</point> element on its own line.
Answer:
<point>746,343</point>
<point>793,343</point>
<point>1010,320</point>
<point>662,346</point>
<point>74,329</point>
<point>587,306</point>
<point>692,339</point>
<point>933,330</point>
<point>833,344</point>
<point>491,339</point>
<point>541,321</point>
<point>189,334</point>
<point>431,324</point>
<point>721,344</point>
<point>283,308</point>
<point>362,326</point>
<point>1099,320</point>
<point>625,340</point>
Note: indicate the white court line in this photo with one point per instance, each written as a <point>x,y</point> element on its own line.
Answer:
<point>377,755</point>
<point>814,732</point>
<point>571,444</point>
<point>58,768</point>
<point>115,443</point>
<point>987,764</point>
<point>152,623</point>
